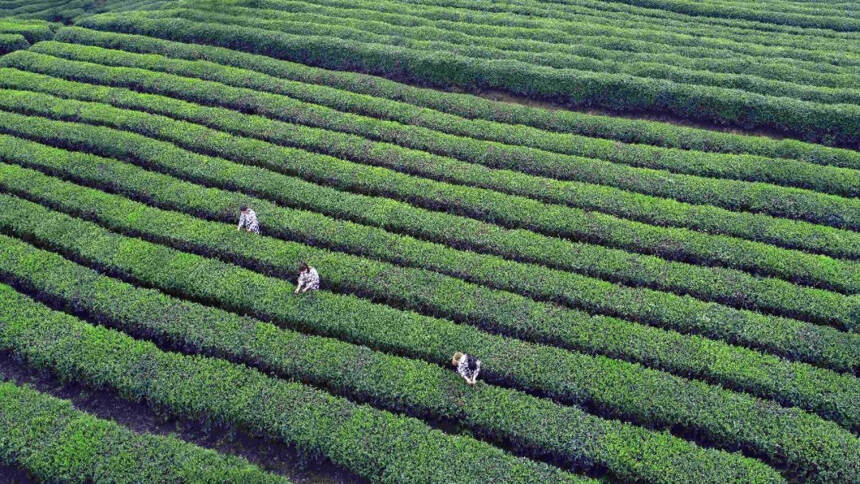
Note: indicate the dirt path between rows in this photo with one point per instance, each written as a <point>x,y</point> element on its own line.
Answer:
<point>506,97</point>
<point>272,456</point>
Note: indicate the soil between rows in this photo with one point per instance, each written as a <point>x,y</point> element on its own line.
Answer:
<point>272,456</point>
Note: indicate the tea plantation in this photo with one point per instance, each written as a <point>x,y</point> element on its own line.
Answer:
<point>641,216</point>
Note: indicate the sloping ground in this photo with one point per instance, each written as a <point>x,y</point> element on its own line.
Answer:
<point>569,63</point>
<point>67,11</point>
<point>41,432</point>
<point>20,34</point>
<point>650,302</point>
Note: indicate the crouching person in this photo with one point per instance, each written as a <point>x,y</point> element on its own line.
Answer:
<point>309,279</point>
<point>467,366</point>
<point>248,220</point>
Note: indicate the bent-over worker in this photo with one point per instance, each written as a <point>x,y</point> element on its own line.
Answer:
<point>309,279</point>
<point>248,220</point>
<point>467,366</point>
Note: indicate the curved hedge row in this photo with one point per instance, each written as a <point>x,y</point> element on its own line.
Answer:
<point>545,49</point>
<point>140,5</point>
<point>803,204</point>
<point>533,15</point>
<point>12,42</point>
<point>585,21</point>
<point>815,448</point>
<point>473,107</point>
<point>837,124</point>
<point>292,224</point>
<point>750,371</point>
<point>563,48</point>
<point>53,11</point>
<point>709,283</point>
<point>713,65</point>
<point>781,297</point>
<point>372,443</point>
<point>601,51</point>
<point>30,7</point>
<point>620,12</point>
<point>63,10</point>
<point>537,426</point>
<point>478,203</point>
<point>33,31</point>
<point>715,9</point>
<point>828,179</point>
<point>782,232</point>
<point>536,15</point>
<point>796,203</point>
<point>10,4</point>
<point>406,30</point>
<point>57,443</point>
<point>623,10</point>
<point>550,48</point>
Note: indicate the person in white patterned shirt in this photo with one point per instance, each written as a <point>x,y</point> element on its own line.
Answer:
<point>467,366</point>
<point>309,279</point>
<point>248,220</point>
